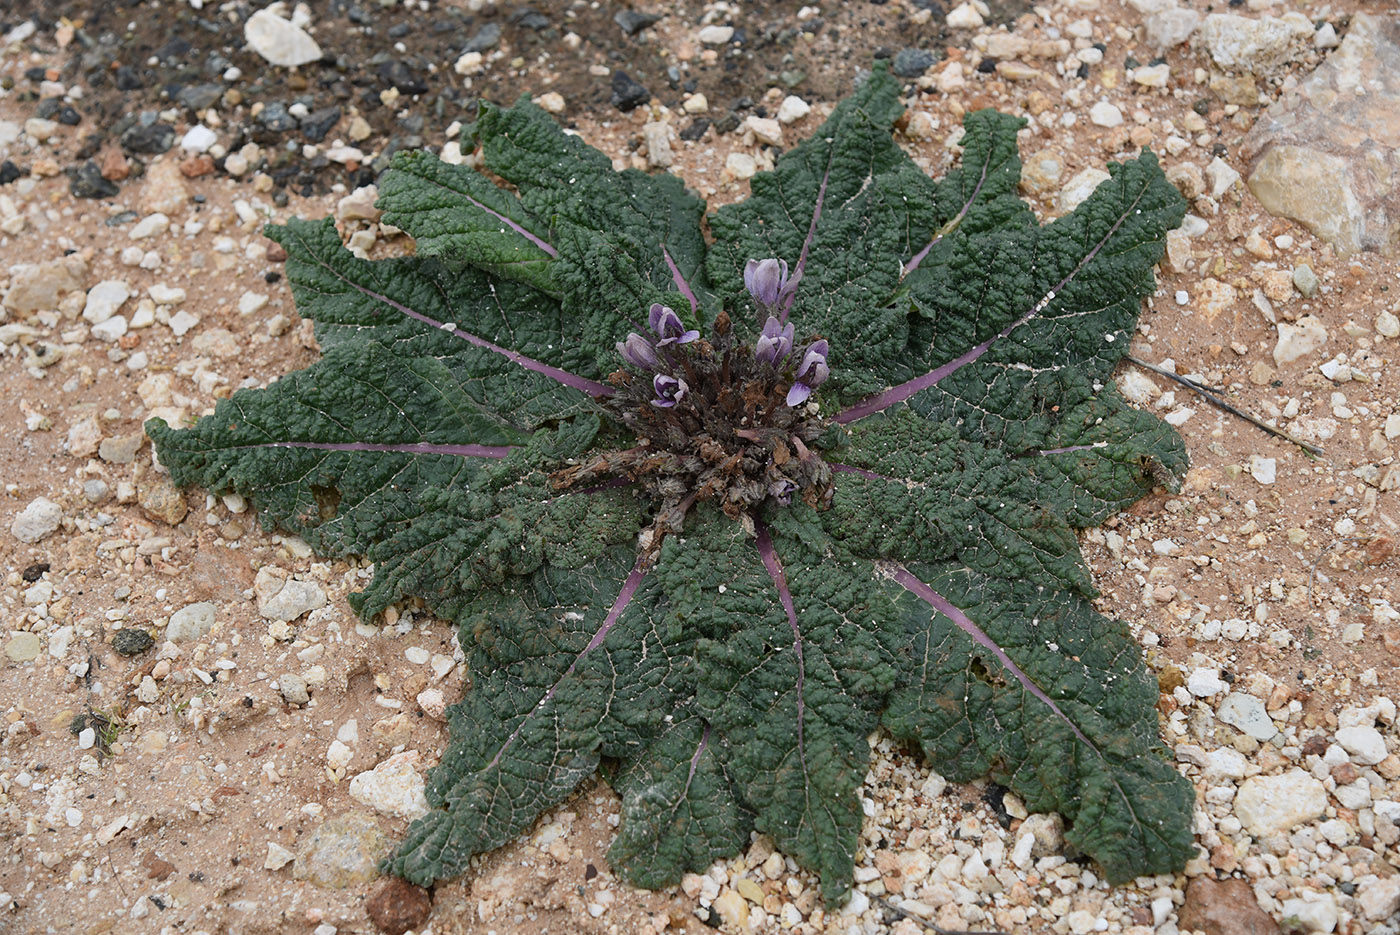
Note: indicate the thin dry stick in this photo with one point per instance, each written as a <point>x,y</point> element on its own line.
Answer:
<point>1214,400</point>
<point>906,914</point>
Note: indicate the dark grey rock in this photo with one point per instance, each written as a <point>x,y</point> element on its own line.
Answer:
<point>200,96</point>
<point>486,38</point>
<point>9,172</point>
<point>86,181</point>
<point>633,22</point>
<point>318,123</point>
<point>911,63</point>
<point>276,118</point>
<point>627,94</point>
<point>528,18</point>
<point>149,139</point>
<point>696,130</point>
<point>132,641</point>
<point>128,80</point>
<point>402,76</point>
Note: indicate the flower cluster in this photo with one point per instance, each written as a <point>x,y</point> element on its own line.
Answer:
<point>645,354</point>
<point>773,289</point>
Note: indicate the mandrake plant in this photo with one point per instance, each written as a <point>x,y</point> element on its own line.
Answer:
<point>710,498</point>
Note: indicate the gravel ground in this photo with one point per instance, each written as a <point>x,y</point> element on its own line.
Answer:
<point>192,713</point>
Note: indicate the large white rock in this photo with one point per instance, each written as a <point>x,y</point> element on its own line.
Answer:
<point>1246,712</point>
<point>1365,744</point>
<point>1255,45</point>
<point>394,787</point>
<point>1278,804</point>
<point>1079,188</point>
<point>36,520</point>
<point>190,622</point>
<point>104,299</point>
<point>1170,27</point>
<point>1381,899</point>
<point>280,41</point>
<point>1297,340</point>
<point>1314,912</point>
<point>281,598</point>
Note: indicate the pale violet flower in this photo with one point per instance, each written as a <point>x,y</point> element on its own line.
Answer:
<point>669,390</point>
<point>669,327</point>
<point>773,343</point>
<point>811,373</point>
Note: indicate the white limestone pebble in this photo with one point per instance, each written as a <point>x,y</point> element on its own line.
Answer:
<point>190,622</point>
<point>1277,804</point>
<point>41,517</point>
<point>280,41</point>
<point>104,299</point>
<point>394,787</point>
<point>1104,114</point>
<point>793,109</point>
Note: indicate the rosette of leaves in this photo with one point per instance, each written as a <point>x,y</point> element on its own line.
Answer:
<point>569,425</point>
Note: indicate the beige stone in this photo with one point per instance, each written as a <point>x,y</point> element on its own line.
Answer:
<point>1327,154</point>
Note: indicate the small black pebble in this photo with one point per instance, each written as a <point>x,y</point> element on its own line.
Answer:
<point>132,641</point>
<point>697,129</point>
<point>1083,71</point>
<point>272,277</point>
<point>9,172</point>
<point>86,181</point>
<point>987,66</point>
<point>35,572</point>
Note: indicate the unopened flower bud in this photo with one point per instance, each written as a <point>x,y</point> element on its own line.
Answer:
<point>638,352</point>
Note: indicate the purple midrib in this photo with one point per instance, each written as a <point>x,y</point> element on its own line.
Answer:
<point>1061,451</point>
<point>515,226</point>
<point>466,451</point>
<point>571,380</point>
<point>942,605</point>
<point>695,760</point>
<point>775,571</point>
<point>679,279</point>
<point>624,597</point>
<point>898,394</point>
<point>816,216</point>
<point>859,472</point>
<point>918,258</point>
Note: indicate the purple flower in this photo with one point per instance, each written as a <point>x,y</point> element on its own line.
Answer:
<point>782,490</point>
<point>768,283</point>
<point>773,343</point>
<point>669,390</point>
<point>811,373</point>
<point>669,327</point>
<point>638,352</point>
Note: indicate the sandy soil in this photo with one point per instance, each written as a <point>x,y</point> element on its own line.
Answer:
<point>164,823</point>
